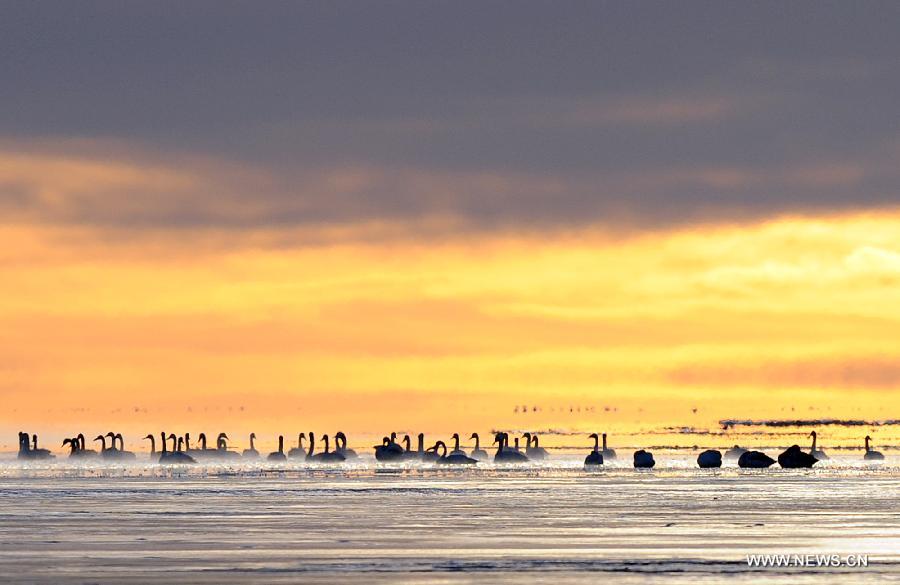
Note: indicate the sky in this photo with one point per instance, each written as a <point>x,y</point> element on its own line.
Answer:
<point>447,214</point>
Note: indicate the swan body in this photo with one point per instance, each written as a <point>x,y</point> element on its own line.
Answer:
<point>608,454</point>
<point>324,457</point>
<point>595,457</point>
<point>278,455</point>
<point>29,450</point>
<point>478,453</point>
<point>251,453</point>
<point>176,456</point>
<point>340,446</point>
<point>298,452</point>
<point>456,450</point>
<point>872,455</point>
<point>643,460</point>
<point>456,457</point>
<point>535,452</point>
<point>817,453</point>
<point>709,459</point>
<point>389,450</point>
<point>755,460</point>
<point>795,458</point>
<point>504,453</point>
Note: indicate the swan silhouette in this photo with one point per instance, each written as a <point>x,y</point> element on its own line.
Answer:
<point>152,440</point>
<point>456,450</point>
<point>298,452</point>
<point>709,459</point>
<point>478,453</point>
<point>734,453</point>
<point>456,457</point>
<point>643,459</point>
<point>251,453</point>
<point>76,452</point>
<point>872,455</point>
<point>112,453</point>
<point>278,455</point>
<point>533,449</point>
<point>504,453</point>
<point>795,458</point>
<point>817,453</point>
<point>222,453</point>
<point>608,454</point>
<point>175,456</point>
<point>595,457</point>
<point>421,454</point>
<point>755,460</point>
<point>123,454</point>
<point>389,450</point>
<point>324,457</point>
<point>29,450</point>
<point>82,448</point>
<point>340,446</point>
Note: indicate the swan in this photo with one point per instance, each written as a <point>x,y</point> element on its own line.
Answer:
<point>872,455</point>
<point>28,448</point>
<point>76,452</point>
<point>82,447</point>
<point>340,445</point>
<point>456,450</point>
<point>504,454</point>
<point>422,454</point>
<point>608,454</point>
<point>278,455</point>
<point>536,452</point>
<point>734,453</point>
<point>794,458</point>
<point>755,460</point>
<point>111,452</point>
<point>298,452</point>
<point>595,457</point>
<point>152,440</point>
<point>478,452</point>
<point>454,458</point>
<point>195,453</point>
<point>324,457</point>
<point>709,459</point>
<point>389,450</point>
<point>176,456</point>
<point>251,453</point>
<point>643,459</point>
<point>123,454</point>
<point>222,451</point>
<point>817,453</point>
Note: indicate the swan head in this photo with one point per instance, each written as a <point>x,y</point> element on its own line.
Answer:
<point>474,436</point>
<point>111,435</point>
<point>593,436</point>
<point>340,435</point>
<point>67,442</point>
<point>813,434</point>
<point>252,435</point>
<point>148,437</point>
<point>99,438</point>
<point>222,436</point>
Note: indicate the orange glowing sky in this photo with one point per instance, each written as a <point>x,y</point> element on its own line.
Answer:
<point>261,227</point>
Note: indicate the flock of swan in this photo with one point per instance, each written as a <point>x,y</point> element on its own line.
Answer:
<point>112,447</point>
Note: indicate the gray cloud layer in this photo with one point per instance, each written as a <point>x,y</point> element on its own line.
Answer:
<point>493,113</point>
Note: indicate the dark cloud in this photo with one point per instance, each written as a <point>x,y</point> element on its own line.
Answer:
<point>491,113</point>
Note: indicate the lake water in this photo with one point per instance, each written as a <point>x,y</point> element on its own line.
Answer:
<point>549,523</point>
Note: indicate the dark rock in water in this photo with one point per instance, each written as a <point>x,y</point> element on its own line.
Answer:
<point>709,459</point>
<point>755,460</point>
<point>796,458</point>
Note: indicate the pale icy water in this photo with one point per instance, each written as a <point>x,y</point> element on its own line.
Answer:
<point>365,524</point>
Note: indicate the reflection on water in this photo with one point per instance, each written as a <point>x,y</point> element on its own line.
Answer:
<point>551,523</point>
